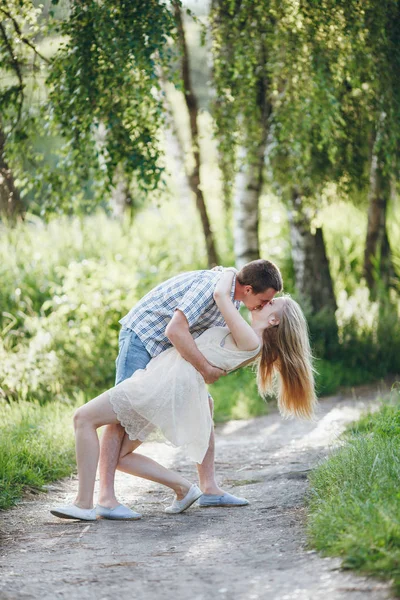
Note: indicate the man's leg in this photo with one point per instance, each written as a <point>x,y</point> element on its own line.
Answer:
<point>132,356</point>
<point>213,494</point>
<point>110,447</point>
<point>206,469</point>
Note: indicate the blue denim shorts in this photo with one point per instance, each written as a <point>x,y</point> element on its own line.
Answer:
<point>132,355</point>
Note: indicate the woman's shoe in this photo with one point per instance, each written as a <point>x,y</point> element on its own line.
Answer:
<point>71,511</point>
<point>179,506</point>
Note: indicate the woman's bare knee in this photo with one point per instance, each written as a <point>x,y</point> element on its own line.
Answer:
<point>80,417</point>
<point>96,413</point>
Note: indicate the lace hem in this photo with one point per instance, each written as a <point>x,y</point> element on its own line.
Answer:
<point>139,428</point>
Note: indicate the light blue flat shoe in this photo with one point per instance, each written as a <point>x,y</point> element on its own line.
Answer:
<point>178,506</point>
<point>226,499</point>
<point>119,513</point>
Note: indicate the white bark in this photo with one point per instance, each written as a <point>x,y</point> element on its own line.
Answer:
<point>174,149</point>
<point>246,211</point>
<point>120,195</point>
<point>310,261</point>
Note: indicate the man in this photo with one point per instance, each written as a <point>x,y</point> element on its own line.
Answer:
<point>174,313</point>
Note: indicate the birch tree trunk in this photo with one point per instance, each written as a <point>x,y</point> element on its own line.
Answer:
<point>194,176</point>
<point>11,206</point>
<point>377,256</point>
<point>176,151</point>
<point>120,196</point>
<point>121,200</point>
<point>248,186</point>
<point>311,264</point>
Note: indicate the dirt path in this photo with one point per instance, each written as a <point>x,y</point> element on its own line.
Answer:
<point>257,552</point>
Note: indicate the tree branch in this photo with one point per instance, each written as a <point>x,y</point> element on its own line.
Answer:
<point>17,68</point>
<point>23,38</point>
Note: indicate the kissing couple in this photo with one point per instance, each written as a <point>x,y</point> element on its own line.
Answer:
<point>184,334</point>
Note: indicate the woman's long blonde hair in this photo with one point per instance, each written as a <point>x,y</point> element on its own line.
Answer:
<point>286,352</point>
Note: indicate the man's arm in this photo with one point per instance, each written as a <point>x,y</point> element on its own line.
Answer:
<point>178,333</point>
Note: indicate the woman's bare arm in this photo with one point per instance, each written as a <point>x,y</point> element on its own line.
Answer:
<point>244,336</point>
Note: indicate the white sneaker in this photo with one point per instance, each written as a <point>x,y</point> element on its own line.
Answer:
<point>71,511</point>
<point>179,506</point>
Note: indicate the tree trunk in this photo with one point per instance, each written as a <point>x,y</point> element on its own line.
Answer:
<point>377,256</point>
<point>194,176</point>
<point>174,147</point>
<point>248,186</point>
<point>11,206</point>
<point>121,199</point>
<point>225,165</point>
<point>311,265</point>
<point>249,182</point>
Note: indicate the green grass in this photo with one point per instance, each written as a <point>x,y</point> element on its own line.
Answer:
<point>236,397</point>
<point>36,447</point>
<point>354,503</point>
<point>332,375</point>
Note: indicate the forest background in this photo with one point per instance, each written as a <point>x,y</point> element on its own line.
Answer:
<point>139,140</point>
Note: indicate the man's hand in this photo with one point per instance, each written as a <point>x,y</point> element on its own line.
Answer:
<point>178,333</point>
<point>221,268</point>
<point>212,374</point>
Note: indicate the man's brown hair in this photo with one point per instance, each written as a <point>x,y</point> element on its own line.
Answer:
<point>261,275</point>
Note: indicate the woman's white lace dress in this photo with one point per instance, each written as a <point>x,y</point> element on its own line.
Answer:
<point>168,401</point>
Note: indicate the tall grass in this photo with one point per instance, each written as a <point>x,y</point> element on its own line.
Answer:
<point>354,503</point>
<point>66,284</point>
<point>36,446</point>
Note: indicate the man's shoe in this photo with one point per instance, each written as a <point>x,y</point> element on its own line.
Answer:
<point>71,511</point>
<point>226,499</point>
<point>119,513</point>
<point>179,506</point>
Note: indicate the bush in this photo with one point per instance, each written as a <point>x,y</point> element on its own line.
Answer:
<point>66,285</point>
<point>363,347</point>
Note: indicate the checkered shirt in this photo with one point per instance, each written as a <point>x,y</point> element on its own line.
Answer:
<point>192,293</point>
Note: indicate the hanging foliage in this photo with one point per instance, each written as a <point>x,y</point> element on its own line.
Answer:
<point>104,86</point>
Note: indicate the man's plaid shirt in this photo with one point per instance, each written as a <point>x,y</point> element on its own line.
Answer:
<point>192,293</point>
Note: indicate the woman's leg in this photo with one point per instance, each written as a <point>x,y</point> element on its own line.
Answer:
<point>87,419</point>
<point>132,356</point>
<point>147,468</point>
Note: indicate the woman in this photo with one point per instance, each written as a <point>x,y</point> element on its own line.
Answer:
<point>168,400</point>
